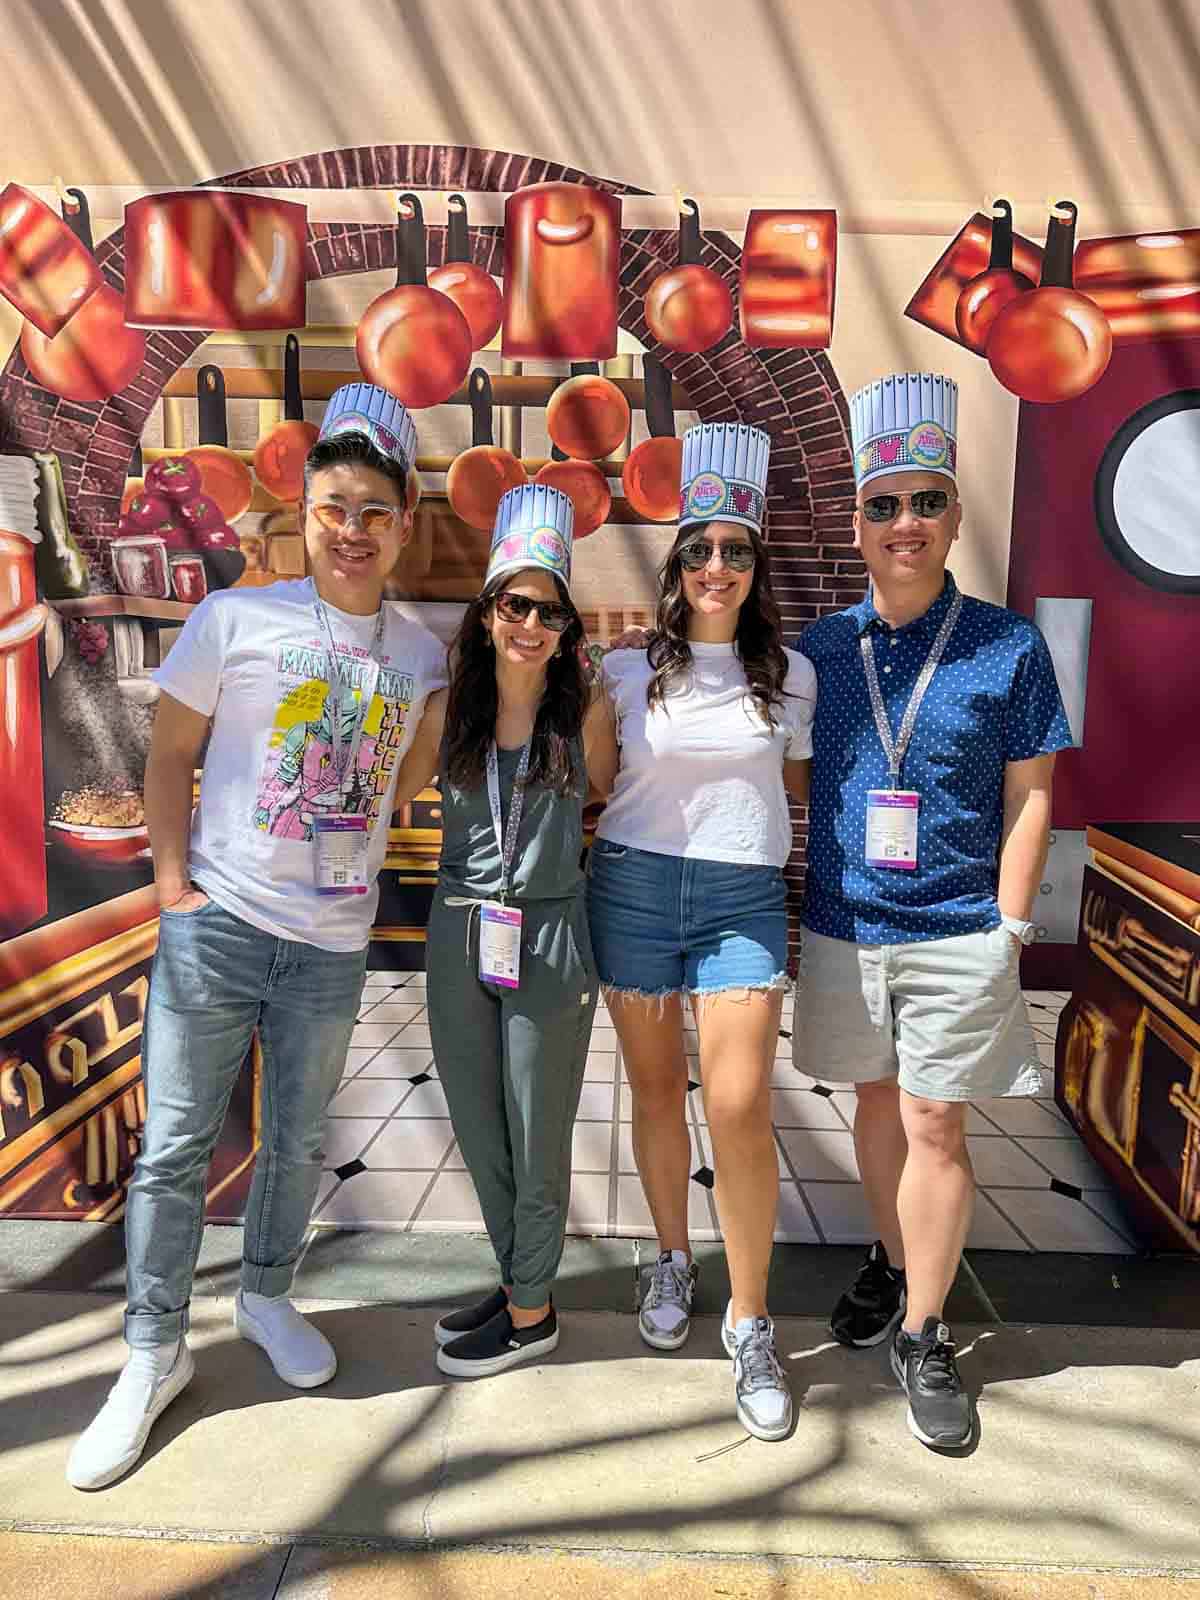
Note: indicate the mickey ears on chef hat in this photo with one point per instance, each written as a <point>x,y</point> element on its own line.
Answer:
<point>534,527</point>
<point>724,474</point>
<point>363,408</point>
<point>905,423</point>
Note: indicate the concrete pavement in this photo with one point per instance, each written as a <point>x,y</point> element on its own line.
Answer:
<point>1087,1460</point>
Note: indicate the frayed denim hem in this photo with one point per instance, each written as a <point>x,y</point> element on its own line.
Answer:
<point>780,983</point>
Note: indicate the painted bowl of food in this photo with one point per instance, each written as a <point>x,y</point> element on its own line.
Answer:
<point>106,827</point>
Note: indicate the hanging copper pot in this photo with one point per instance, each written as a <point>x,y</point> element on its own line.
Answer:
<point>413,341</point>
<point>1052,343</point>
<point>587,416</point>
<point>480,476</point>
<point>651,474</point>
<point>935,303</point>
<point>47,271</point>
<point>223,474</point>
<point>94,355</point>
<point>985,296</point>
<point>690,307</point>
<point>281,452</point>
<point>587,488</point>
<point>474,291</point>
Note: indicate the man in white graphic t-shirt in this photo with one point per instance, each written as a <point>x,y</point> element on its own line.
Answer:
<point>306,694</point>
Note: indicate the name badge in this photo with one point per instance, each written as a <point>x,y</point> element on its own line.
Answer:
<point>500,944</point>
<point>892,827</point>
<point>341,853</point>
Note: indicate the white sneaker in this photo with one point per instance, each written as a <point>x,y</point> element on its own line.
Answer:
<point>665,1318</point>
<point>300,1353</point>
<point>763,1398</point>
<point>114,1441</point>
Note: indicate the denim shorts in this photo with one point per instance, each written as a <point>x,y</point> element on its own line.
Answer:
<point>663,924</point>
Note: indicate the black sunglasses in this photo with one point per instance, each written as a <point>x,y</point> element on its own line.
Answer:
<point>516,607</point>
<point>738,557</point>
<point>926,504</point>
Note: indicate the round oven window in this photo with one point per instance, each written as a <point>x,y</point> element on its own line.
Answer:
<point>1148,493</point>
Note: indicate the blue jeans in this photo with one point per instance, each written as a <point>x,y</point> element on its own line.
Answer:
<point>215,980</point>
<point>662,924</point>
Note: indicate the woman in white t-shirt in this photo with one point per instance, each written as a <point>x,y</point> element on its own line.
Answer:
<point>686,893</point>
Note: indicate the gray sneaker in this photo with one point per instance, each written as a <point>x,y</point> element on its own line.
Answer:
<point>764,1400</point>
<point>665,1318</point>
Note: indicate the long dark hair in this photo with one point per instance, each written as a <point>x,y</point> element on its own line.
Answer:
<point>474,700</point>
<point>758,640</point>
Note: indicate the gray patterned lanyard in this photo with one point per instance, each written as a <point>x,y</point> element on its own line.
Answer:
<point>896,749</point>
<point>507,842</point>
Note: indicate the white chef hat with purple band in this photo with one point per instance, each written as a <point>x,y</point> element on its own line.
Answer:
<point>724,474</point>
<point>534,527</point>
<point>905,423</point>
<point>364,408</point>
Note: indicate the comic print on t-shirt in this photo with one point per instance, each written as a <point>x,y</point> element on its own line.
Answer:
<point>299,780</point>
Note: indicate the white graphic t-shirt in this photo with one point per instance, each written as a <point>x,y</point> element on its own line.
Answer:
<point>256,662</point>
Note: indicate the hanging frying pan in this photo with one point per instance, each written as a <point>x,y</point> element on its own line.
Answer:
<point>985,297</point>
<point>224,475</point>
<point>481,475</point>
<point>472,290</point>
<point>281,452</point>
<point>587,416</point>
<point>690,307</point>
<point>651,474</point>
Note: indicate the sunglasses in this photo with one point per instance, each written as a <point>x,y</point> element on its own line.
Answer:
<point>372,518</point>
<point>924,503</point>
<point>516,607</point>
<point>738,557</point>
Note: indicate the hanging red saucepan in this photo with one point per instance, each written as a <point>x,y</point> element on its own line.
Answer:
<point>690,307</point>
<point>280,455</point>
<point>224,476</point>
<point>651,474</point>
<point>1051,343</point>
<point>480,476</point>
<point>94,355</point>
<point>413,341</point>
<point>587,488</point>
<point>474,292</point>
<point>587,416</point>
<point>985,297</point>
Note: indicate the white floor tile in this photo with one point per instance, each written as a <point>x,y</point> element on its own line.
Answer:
<point>600,1067</point>
<point>452,1204</point>
<point>800,1108</point>
<point>425,1100</point>
<point>329,1182</point>
<point>1045,1052</point>
<point>1056,1222</point>
<point>412,1036</point>
<point>1109,1207</point>
<point>356,1060</point>
<point>385,1199</point>
<point>373,1033</point>
<point>990,1230</point>
<point>591,1147</point>
<point>391,1062</point>
<point>841,1210</point>
<point>821,1154</point>
<point>1067,1160</point>
<point>588,1212</point>
<point>633,1214</point>
<point>347,1137</point>
<point>596,1102</point>
<point>420,1144</point>
<point>395,1013</point>
<point>793,1224</point>
<point>1001,1163</point>
<point>1019,1116</point>
<point>368,1097</point>
<point>454,1161</point>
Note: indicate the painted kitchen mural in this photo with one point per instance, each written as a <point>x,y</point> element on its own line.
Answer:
<point>153,424</point>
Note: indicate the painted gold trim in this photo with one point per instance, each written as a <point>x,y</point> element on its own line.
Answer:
<point>1180,1018</point>
<point>71,977</point>
<point>42,1133</point>
<point>397,935</point>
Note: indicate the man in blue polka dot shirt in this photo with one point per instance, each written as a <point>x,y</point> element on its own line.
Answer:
<point>927,838</point>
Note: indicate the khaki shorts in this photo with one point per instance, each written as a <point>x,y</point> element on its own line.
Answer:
<point>946,1016</point>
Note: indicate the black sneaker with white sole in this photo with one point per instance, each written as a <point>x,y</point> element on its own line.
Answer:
<point>497,1346</point>
<point>873,1306</point>
<point>939,1408</point>
<point>455,1323</point>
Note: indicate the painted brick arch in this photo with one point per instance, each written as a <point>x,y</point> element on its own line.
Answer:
<point>793,394</point>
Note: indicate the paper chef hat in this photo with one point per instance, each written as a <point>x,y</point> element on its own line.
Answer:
<point>905,423</point>
<point>724,474</point>
<point>534,527</point>
<point>362,408</point>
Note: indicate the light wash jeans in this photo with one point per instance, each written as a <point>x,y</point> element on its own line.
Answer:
<point>215,980</point>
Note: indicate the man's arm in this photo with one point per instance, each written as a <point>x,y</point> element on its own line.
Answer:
<point>420,764</point>
<point>796,776</point>
<point>1026,840</point>
<point>175,746</point>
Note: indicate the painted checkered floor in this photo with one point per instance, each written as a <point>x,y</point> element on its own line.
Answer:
<point>393,1162</point>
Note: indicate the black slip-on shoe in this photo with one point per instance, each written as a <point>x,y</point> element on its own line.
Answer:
<point>455,1323</point>
<point>497,1346</point>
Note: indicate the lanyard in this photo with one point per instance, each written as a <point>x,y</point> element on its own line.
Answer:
<point>345,766</point>
<point>896,749</point>
<point>506,843</point>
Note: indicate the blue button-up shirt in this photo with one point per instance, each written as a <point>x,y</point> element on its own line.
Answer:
<point>993,699</point>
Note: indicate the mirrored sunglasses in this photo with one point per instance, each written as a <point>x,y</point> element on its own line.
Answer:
<point>925,503</point>
<point>516,607</point>
<point>374,517</point>
<point>737,556</point>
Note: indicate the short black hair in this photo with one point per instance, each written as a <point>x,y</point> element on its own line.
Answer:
<point>355,449</point>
